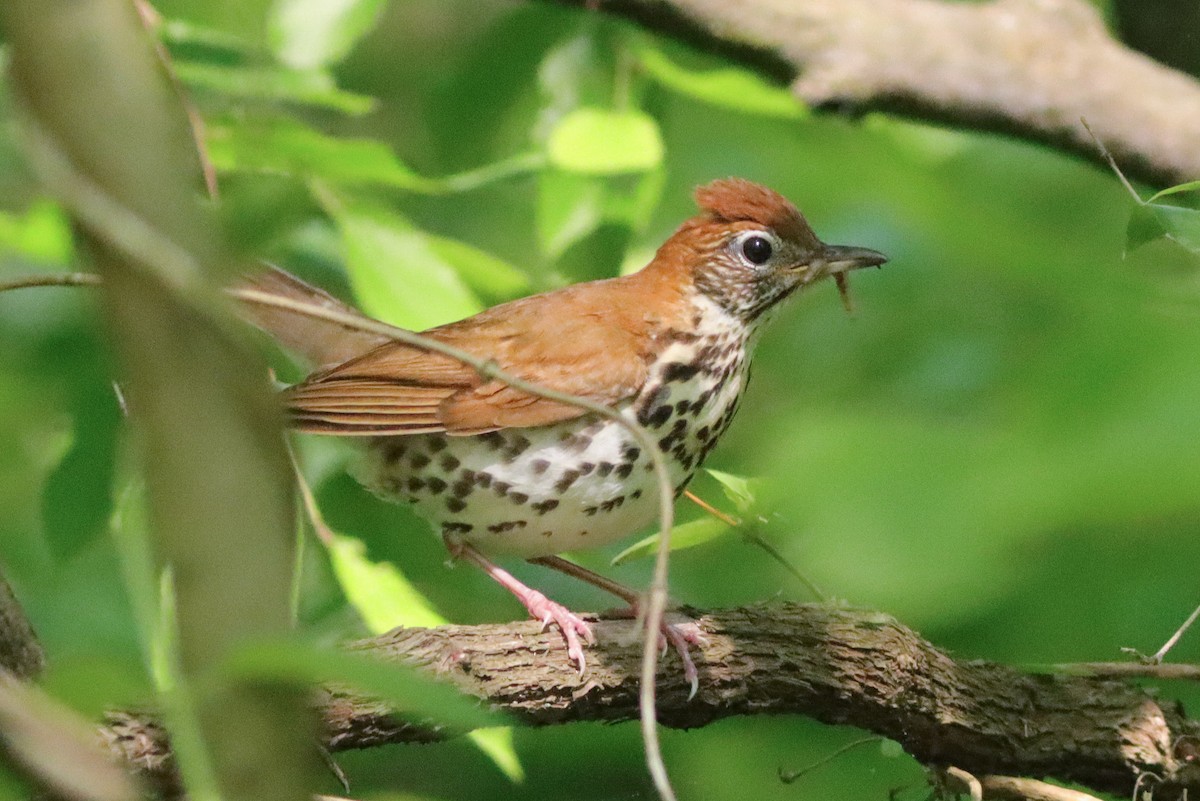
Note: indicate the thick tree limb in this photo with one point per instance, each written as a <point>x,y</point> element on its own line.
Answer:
<point>1033,68</point>
<point>835,665</point>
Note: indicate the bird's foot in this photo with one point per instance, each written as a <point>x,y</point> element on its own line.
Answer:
<point>680,636</point>
<point>575,630</point>
<point>572,626</point>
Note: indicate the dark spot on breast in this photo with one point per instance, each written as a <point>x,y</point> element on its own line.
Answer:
<point>493,439</point>
<point>604,468</point>
<point>541,507</point>
<point>450,463</point>
<point>661,415</point>
<point>547,533</point>
<point>518,497</point>
<point>418,460</point>
<point>415,484</point>
<point>516,446</point>
<point>539,466</point>
<point>455,504</point>
<point>501,487</point>
<point>436,443</point>
<point>394,451</point>
<point>682,407</point>
<point>568,478</point>
<point>507,525</point>
<point>436,485</point>
<point>462,488</point>
<point>483,479</point>
<point>589,510</point>
<point>624,470</point>
<point>637,493</point>
<point>680,371</point>
<point>586,467</point>
<point>672,335</point>
<point>456,528</point>
<point>631,453</point>
<point>578,441</point>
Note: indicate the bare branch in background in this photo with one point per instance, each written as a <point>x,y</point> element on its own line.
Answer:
<point>1031,68</point>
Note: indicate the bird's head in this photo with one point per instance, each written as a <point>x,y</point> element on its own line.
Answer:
<point>751,248</point>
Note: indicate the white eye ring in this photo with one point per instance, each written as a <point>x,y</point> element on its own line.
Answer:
<point>755,248</point>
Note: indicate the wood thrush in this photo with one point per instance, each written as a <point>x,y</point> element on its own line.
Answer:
<point>500,471</point>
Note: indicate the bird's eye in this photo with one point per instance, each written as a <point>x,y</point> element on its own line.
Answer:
<point>757,249</point>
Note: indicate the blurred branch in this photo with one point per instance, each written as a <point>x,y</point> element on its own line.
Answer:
<point>20,652</point>
<point>1031,68</point>
<point>837,666</point>
<point>105,135</point>
<point>52,744</point>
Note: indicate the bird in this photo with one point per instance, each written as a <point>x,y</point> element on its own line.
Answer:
<point>498,471</point>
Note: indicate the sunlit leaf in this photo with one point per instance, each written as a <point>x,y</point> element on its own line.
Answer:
<point>737,489</point>
<point>729,87</point>
<point>378,591</point>
<point>409,690</point>
<point>1153,220</point>
<point>385,598</point>
<point>571,206</point>
<point>316,33</point>
<point>274,84</point>
<point>397,272</point>
<point>481,271</point>
<point>686,535</point>
<point>282,146</point>
<point>1190,186</point>
<point>597,141</point>
<point>40,234</point>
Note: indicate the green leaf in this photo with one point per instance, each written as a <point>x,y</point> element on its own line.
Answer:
<point>287,147</point>
<point>77,501</point>
<point>385,598</point>
<point>484,273</point>
<point>395,268</point>
<point>597,141</point>
<point>571,206</point>
<point>41,234</point>
<point>378,591</point>
<point>275,84</point>
<point>409,690</point>
<point>686,535</point>
<point>739,490</point>
<point>732,88</point>
<point>1190,186</point>
<point>1150,221</point>
<point>316,33</point>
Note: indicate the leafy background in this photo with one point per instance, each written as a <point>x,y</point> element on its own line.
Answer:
<point>998,446</point>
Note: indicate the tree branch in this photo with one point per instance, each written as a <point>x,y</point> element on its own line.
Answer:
<point>1031,68</point>
<point>835,665</point>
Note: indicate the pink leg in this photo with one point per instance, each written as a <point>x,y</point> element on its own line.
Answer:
<point>538,605</point>
<point>679,635</point>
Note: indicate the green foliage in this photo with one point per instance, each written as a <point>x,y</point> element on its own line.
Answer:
<point>998,446</point>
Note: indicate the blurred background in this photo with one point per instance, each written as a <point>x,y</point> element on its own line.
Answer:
<point>998,446</point>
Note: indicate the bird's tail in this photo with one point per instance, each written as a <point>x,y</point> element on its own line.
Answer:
<point>321,342</point>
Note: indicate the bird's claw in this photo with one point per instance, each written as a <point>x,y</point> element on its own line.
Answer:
<point>572,626</point>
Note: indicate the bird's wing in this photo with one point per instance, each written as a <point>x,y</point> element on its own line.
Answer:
<point>556,340</point>
<point>321,342</point>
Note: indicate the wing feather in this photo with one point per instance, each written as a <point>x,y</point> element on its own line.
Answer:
<point>585,340</point>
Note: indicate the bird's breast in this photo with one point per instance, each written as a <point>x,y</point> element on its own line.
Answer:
<point>576,484</point>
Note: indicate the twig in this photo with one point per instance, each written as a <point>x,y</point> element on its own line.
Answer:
<point>1174,638</point>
